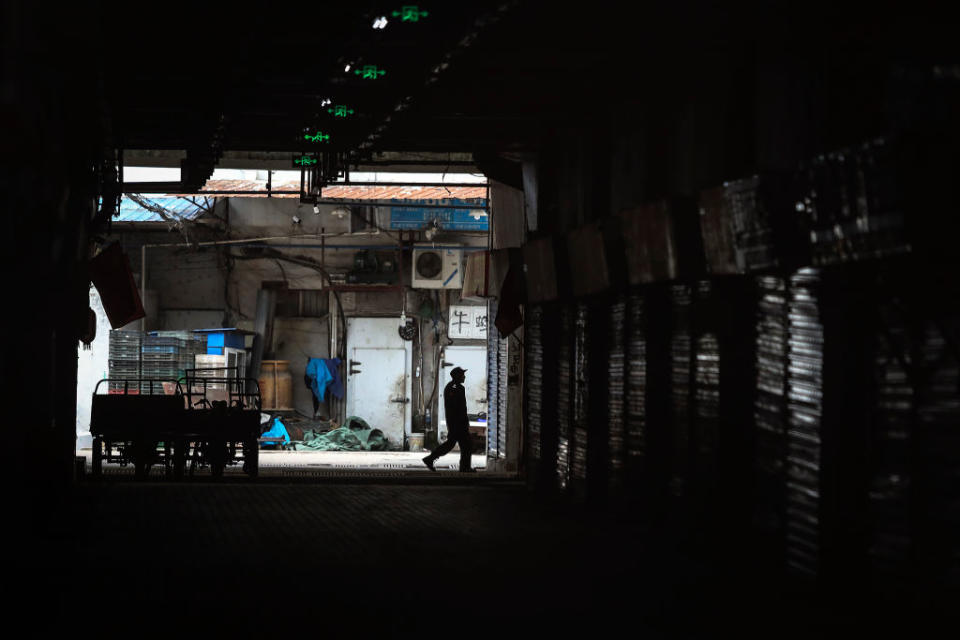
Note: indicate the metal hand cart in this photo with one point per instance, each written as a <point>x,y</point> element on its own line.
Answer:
<point>133,422</point>
<point>222,425</point>
<point>210,421</point>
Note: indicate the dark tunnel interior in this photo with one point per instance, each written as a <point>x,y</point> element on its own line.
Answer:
<point>736,403</point>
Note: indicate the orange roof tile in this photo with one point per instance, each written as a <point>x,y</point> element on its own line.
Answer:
<point>351,192</point>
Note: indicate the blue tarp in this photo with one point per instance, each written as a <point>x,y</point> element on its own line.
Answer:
<point>336,384</point>
<point>277,430</point>
<point>324,373</point>
<point>319,376</point>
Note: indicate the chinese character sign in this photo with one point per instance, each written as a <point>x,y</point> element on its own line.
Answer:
<point>370,72</point>
<point>467,322</point>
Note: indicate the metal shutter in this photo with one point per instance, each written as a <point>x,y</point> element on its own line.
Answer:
<point>681,366</point>
<point>769,416</point>
<point>616,379</point>
<point>705,429</point>
<point>493,384</point>
<point>496,388</point>
<point>937,445</point>
<point>533,380</point>
<point>636,401</point>
<point>581,398</point>
<point>892,537</point>
<point>564,389</point>
<point>805,402</point>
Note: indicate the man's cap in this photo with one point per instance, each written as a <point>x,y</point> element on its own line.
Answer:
<point>457,370</point>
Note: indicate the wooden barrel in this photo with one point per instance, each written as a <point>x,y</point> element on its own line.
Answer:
<point>276,384</point>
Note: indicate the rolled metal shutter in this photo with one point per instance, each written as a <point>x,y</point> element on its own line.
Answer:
<point>705,429</point>
<point>533,381</point>
<point>616,394</point>
<point>581,393</point>
<point>564,391</point>
<point>937,446</point>
<point>805,403</point>
<point>503,346</point>
<point>769,416</point>
<point>496,388</point>
<point>493,372</point>
<point>892,534</point>
<point>636,383</point>
<point>681,365</point>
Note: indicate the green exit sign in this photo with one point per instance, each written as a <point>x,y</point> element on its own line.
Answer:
<point>369,72</point>
<point>340,111</point>
<point>319,136</point>
<point>410,13</point>
<point>300,162</point>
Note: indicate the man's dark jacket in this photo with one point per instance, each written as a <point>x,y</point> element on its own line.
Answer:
<point>455,406</point>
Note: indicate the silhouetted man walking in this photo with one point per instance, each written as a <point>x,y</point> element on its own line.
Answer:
<point>458,425</point>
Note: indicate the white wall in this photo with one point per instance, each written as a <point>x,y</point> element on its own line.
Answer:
<point>92,367</point>
<point>297,340</point>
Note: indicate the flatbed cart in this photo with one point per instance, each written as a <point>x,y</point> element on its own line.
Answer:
<point>222,422</point>
<point>134,423</point>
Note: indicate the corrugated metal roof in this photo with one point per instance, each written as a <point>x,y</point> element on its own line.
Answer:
<point>131,211</point>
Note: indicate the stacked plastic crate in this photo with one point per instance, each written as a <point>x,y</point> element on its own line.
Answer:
<point>161,360</point>
<point>195,345</point>
<point>770,406</point>
<point>805,404</point>
<point>616,358</point>
<point>124,359</point>
<point>190,345</point>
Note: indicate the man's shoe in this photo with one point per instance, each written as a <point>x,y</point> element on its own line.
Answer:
<point>429,462</point>
<point>468,470</point>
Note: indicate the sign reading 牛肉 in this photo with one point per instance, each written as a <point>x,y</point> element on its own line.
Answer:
<point>467,322</point>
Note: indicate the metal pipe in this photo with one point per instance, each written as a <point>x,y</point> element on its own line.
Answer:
<point>337,201</point>
<point>351,246</point>
<point>214,243</point>
<point>177,188</point>
<point>389,203</point>
<point>351,183</point>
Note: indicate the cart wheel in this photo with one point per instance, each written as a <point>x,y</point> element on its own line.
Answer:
<point>216,453</point>
<point>143,453</point>
<point>179,459</point>
<point>97,457</point>
<point>167,460</point>
<point>251,457</point>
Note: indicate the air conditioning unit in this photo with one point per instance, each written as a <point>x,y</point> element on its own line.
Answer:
<point>437,267</point>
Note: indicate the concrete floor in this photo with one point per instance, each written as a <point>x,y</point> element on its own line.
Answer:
<point>402,553</point>
<point>234,558</point>
<point>276,462</point>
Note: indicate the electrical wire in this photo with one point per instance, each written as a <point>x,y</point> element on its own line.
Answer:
<point>307,262</point>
